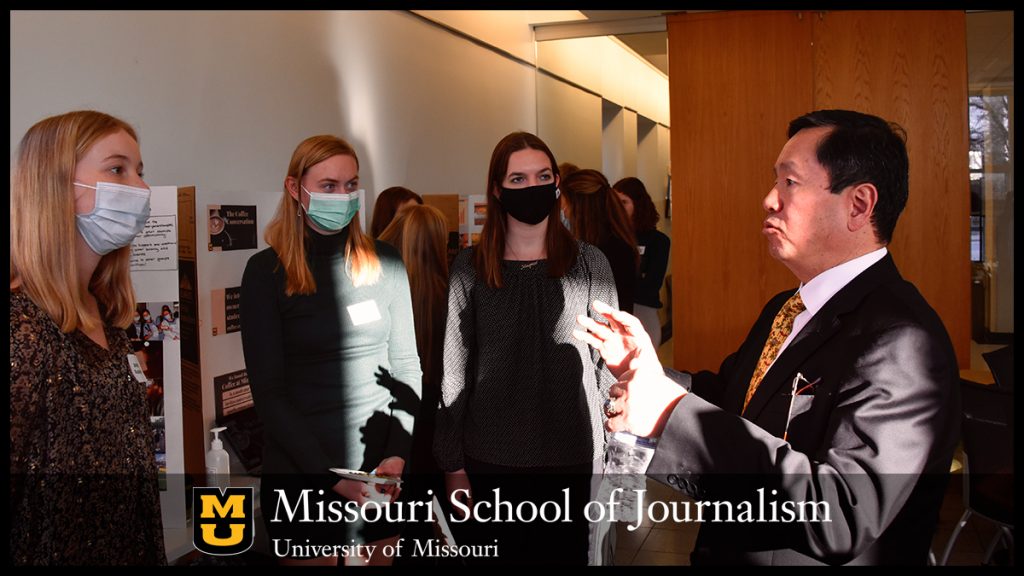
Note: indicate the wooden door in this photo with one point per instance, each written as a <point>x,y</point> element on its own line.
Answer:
<point>736,79</point>
<point>910,67</point>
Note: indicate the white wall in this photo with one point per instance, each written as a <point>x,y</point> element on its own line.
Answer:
<point>607,67</point>
<point>603,65</point>
<point>508,30</point>
<point>569,121</point>
<point>430,108</point>
<point>652,160</point>
<point>618,142</point>
<point>221,99</point>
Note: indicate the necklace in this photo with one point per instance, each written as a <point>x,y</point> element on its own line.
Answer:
<point>523,263</point>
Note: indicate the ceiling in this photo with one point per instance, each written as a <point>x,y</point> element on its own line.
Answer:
<point>653,46</point>
<point>989,43</point>
<point>989,49</point>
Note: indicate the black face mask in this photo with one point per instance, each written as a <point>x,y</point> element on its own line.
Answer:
<point>529,205</point>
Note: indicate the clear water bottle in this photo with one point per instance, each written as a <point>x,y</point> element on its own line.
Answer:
<point>627,457</point>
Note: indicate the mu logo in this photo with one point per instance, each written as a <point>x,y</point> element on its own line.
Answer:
<point>222,524</point>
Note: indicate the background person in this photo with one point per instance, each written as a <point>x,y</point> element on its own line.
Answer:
<point>390,202</point>
<point>149,330</point>
<point>420,234</point>
<point>168,324</point>
<point>653,247</point>
<point>566,168</point>
<point>135,329</point>
<point>595,215</point>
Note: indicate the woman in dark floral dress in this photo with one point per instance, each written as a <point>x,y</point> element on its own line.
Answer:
<point>83,477</point>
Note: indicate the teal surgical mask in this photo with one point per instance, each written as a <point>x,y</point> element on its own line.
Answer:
<point>332,212</point>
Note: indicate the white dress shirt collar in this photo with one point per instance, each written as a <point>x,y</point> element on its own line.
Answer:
<point>824,286</point>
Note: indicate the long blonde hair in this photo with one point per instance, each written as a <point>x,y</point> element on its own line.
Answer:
<point>419,233</point>
<point>43,228</point>
<point>287,231</point>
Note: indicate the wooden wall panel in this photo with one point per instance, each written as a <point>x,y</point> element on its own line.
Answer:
<point>911,68</point>
<point>736,79</point>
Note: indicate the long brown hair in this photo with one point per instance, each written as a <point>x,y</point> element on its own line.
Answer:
<point>387,205</point>
<point>596,214</point>
<point>561,247</point>
<point>287,231</point>
<point>43,228</point>
<point>645,215</point>
<point>420,233</point>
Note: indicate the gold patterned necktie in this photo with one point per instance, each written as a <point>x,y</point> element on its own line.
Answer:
<point>781,327</point>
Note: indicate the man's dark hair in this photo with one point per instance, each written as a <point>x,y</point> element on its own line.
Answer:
<point>859,149</point>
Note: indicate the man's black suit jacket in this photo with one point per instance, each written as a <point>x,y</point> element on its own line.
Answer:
<point>873,435</point>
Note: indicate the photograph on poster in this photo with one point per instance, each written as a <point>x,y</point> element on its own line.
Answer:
<point>231,227</point>
<point>151,358</point>
<point>479,213</point>
<point>469,239</point>
<point>154,322</point>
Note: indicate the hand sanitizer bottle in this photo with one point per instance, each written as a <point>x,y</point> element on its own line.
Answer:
<point>218,467</point>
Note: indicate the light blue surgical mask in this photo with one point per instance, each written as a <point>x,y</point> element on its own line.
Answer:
<point>119,214</point>
<point>332,212</point>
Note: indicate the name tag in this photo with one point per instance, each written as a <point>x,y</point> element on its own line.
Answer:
<point>364,313</point>
<point>641,249</point>
<point>136,366</point>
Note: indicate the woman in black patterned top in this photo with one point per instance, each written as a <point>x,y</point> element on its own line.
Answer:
<point>521,398</point>
<point>83,475</point>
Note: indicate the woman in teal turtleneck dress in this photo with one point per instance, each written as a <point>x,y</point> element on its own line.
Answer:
<point>327,331</point>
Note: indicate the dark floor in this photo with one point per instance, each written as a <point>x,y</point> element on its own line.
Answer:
<point>669,544</point>
<point>975,537</point>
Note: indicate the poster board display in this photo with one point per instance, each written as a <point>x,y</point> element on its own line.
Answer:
<point>213,366</point>
<point>176,268</point>
<point>156,340</point>
<point>472,214</point>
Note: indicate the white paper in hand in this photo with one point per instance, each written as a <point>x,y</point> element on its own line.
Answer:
<point>441,524</point>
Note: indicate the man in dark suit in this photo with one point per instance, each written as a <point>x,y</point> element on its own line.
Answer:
<point>844,394</point>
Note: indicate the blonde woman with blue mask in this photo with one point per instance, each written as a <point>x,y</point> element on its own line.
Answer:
<point>83,479</point>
